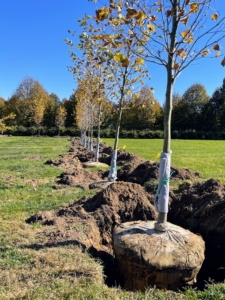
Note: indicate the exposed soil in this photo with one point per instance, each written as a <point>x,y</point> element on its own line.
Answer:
<point>131,168</point>
<point>119,202</point>
<point>199,207</point>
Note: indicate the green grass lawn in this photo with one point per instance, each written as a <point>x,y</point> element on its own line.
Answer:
<point>65,272</point>
<point>205,157</point>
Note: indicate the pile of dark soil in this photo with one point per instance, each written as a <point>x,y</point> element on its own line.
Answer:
<point>200,207</point>
<point>119,202</point>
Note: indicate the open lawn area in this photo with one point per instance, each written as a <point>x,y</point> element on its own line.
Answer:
<point>64,271</point>
<point>203,156</point>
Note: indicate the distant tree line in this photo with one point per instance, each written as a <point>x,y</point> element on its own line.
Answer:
<point>195,113</point>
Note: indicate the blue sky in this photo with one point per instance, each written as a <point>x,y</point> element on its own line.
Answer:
<point>32,44</point>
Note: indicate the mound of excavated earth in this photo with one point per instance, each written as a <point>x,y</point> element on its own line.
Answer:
<point>94,219</point>
<point>200,207</point>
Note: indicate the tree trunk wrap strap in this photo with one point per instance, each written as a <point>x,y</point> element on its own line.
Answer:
<point>113,170</point>
<point>97,148</point>
<point>162,194</point>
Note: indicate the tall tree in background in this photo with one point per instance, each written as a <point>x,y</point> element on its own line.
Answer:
<point>143,111</point>
<point>60,118</point>
<point>194,99</point>
<point>70,107</point>
<point>2,107</point>
<point>28,96</point>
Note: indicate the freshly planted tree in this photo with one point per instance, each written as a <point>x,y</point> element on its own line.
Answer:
<point>120,55</point>
<point>176,33</point>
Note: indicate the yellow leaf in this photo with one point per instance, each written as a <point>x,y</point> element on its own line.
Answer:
<point>151,27</point>
<point>223,62</point>
<point>218,54</point>
<point>139,61</point>
<point>96,37</point>
<point>128,92</point>
<point>214,17</point>
<point>182,55</point>
<point>139,15</point>
<point>205,52</point>
<point>190,41</point>
<point>118,56</point>
<point>185,33</point>
<point>216,47</point>
<point>116,22</point>
<point>184,20</point>
<point>120,4</point>
<point>102,14</point>
<point>194,7</point>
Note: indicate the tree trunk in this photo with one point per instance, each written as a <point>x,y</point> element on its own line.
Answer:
<point>98,137</point>
<point>162,195</point>
<point>113,172</point>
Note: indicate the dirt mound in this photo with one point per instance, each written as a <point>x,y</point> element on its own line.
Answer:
<point>81,177</point>
<point>200,207</point>
<point>66,162</point>
<point>139,171</point>
<point>119,202</point>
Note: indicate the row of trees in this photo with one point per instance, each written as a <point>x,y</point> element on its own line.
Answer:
<point>195,110</point>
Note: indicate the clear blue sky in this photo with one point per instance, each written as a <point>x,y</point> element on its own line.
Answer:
<point>32,44</point>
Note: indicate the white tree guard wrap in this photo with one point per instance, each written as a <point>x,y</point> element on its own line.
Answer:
<point>97,148</point>
<point>85,139</point>
<point>162,194</point>
<point>91,144</point>
<point>113,171</point>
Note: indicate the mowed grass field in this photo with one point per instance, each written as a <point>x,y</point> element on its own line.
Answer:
<point>203,156</point>
<point>28,271</point>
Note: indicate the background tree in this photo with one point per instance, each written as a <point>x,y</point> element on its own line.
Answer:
<point>143,111</point>
<point>195,98</point>
<point>38,115</point>
<point>2,107</point>
<point>70,107</point>
<point>60,118</point>
<point>26,98</point>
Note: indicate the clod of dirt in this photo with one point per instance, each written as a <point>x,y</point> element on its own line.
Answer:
<point>119,202</point>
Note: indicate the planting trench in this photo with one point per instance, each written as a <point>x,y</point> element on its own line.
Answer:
<point>89,222</point>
